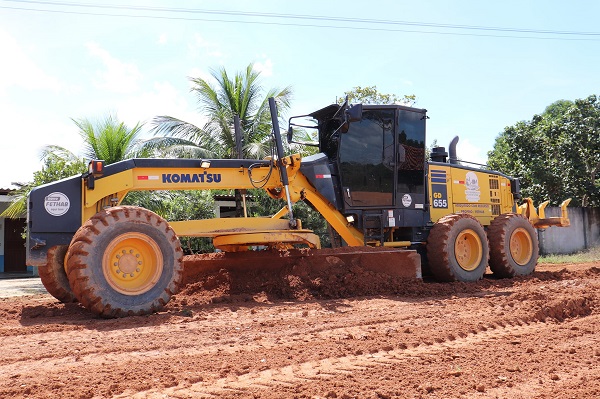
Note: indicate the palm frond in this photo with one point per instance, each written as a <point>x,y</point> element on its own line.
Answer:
<point>108,139</point>
<point>176,147</point>
<point>176,128</point>
<point>58,152</point>
<point>219,101</point>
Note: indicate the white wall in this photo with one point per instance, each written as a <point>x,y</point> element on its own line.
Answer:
<point>583,233</point>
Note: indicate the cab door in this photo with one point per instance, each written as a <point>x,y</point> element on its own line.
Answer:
<point>367,160</point>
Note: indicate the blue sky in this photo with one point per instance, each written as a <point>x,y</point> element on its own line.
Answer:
<point>74,61</point>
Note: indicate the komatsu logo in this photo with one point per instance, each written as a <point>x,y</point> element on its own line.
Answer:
<point>191,177</point>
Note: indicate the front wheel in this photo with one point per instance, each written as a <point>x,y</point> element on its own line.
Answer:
<point>457,249</point>
<point>54,277</point>
<point>125,261</point>
<point>514,248</point>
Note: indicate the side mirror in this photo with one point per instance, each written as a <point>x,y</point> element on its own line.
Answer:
<point>290,134</point>
<point>354,113</point>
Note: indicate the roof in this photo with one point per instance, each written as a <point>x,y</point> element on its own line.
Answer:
<point>6,191</point>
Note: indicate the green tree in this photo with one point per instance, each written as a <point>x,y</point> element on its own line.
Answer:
<point>311,219</point>
<point>370,95</point>
<point>55,167</point>
<point>108,139</point>
<point>556,155</point>
<point>179,205</point>
<point>239,95</point>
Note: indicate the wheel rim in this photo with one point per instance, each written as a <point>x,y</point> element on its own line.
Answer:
<point>521,246</point>
<point>132,263</point>
<point>468,250</point>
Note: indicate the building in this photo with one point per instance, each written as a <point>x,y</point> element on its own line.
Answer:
<point>12,242</point>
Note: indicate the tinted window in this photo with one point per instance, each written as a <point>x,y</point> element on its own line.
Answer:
<point>367,159</point>
<point>411,151</point>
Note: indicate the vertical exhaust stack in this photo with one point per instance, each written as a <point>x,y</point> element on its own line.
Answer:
<point>452,151</point>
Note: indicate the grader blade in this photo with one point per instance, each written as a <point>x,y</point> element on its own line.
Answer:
<point>398,263</point>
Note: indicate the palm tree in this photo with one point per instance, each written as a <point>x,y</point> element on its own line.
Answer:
<point>220,103</point>
<point>108,139</point>
<point>241,96</point>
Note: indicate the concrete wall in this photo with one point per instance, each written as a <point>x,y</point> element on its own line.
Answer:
<point>583,233</point>
<point>1,245</point>
<point>4,203</point>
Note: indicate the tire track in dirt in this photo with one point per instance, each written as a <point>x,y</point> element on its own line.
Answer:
<point>328,368</point>
<point>62,345</point>
<point>90,348</point>
<point>219,348</point>
<point>554,381</point>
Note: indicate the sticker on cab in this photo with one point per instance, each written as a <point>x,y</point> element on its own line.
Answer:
<point>406,200</point>
<point>57,203</point>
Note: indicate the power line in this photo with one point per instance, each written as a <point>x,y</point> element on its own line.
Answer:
<point>558,35</point>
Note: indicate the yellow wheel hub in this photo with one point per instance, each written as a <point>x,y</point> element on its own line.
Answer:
<point>521,246</point>
<point>468,250</point>
<point>132,263</point>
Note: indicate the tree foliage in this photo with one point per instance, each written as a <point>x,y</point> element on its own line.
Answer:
<point>370,95</point>
<point>176,206</point>
<point>311,219</point>
<point>55,167</point>
<point>240,95</point>
<point>556,155</point>
<point>108,139</point>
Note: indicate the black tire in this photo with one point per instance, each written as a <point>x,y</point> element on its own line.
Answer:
<point>457,249</point>
<point>125,261</point>
<point>514,247</point>
<point>54,277</point>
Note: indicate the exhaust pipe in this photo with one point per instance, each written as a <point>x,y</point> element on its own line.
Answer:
<point>452,151</point>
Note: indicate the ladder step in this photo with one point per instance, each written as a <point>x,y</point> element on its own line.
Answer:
<point>378,219</point>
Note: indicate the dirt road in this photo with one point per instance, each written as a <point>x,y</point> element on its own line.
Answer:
<point>298,336</point>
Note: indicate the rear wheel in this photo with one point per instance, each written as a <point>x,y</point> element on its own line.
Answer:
<point>125,261</point>
<point>54,277</point>
<point>457,249</point>
<point>514,248</point>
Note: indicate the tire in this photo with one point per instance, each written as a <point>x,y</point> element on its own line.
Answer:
<point>514,247</point>
<point>125,261</point>
<point>457,249</point>
<point>54,277</point>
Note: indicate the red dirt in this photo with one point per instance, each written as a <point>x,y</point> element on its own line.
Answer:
<point>299,334</point>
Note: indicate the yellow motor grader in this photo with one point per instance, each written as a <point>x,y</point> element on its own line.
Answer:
<point>370,181</point>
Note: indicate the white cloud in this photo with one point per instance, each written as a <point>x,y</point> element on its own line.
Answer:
<point>164,99</point>
<point>24,138</point>
<point>204,47</point>
<point>465,150</point>
<point>119,77</point>
<point>18,69</point>
<point>162,39</point>
<point>265,68</point>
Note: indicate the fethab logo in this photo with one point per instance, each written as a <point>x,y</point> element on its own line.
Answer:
<point>191,177</point>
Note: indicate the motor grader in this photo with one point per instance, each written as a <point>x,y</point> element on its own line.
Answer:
<point>370,181</point>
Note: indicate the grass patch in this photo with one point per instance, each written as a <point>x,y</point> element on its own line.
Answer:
<point>589,255</point>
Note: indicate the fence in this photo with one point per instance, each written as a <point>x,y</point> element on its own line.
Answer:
<point>583,233</point>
